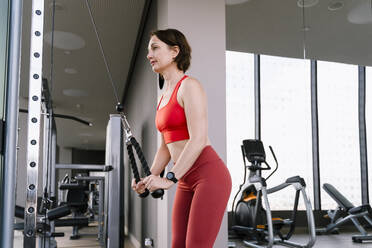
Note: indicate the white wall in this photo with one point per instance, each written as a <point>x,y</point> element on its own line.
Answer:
<point>203,23</point>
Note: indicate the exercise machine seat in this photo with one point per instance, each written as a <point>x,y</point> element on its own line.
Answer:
<point>360,209</point>
<point>338,197</point>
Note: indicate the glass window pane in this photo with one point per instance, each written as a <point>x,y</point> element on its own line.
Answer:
<point>286,124</point>
<point>338,131</point>
<point>240,112</point>
<point>369,127</point>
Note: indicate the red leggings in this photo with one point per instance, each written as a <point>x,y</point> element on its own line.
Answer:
<point>200,202</point>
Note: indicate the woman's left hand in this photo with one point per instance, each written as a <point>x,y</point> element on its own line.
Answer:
<point>153,183</point>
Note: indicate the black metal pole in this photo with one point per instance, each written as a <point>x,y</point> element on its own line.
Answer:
<point>363,133</point>
<point>315,135</point>
<point>257,96</point>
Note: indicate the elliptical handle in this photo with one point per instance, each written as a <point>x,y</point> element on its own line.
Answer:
<point>276,161</point>
<point>243,154</point>
<point>272,152</point>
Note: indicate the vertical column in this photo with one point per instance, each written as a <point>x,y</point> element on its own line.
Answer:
<point>53,159</point>
<point>115,183</point>
<point>363,133</point>
<point>315,134</point>
<point>257,97</point>
<point>46,152</point>
<point>208,42</point>
<point>34,107</point>
<point>10,60</point>
<point>45,187</point>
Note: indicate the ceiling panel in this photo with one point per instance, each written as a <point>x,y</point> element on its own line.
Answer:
<point>332,30</point>
<point>265,26</point>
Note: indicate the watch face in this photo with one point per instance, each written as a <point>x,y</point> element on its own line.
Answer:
<point>170,175</point>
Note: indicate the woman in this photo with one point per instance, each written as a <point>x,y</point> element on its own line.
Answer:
<point>204,183</point>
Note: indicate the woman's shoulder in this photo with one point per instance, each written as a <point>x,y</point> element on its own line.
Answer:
<point>191,87</point>
<point>191,83</point>
<point>191,79</point>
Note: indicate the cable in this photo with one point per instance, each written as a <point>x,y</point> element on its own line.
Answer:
<point>52,51</point>
<point>49,104</point>
<point>49,109</point>
<point>102,52</point>
<point>304,29</point>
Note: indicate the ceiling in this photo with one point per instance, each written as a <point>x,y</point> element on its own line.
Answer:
<point>331,30</point>
<point>80,85</point>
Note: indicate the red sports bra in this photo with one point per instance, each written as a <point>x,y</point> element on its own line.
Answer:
<point>170,120</point>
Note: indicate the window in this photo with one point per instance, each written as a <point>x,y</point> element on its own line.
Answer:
<point>286,124</point>
<point>338,131</point>
<point>240,112</point>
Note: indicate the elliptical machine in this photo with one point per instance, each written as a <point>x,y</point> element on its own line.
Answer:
<point>253,220</point>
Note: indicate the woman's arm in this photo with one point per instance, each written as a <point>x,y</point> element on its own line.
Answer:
<point>195,106</point>
<point>161,159</point>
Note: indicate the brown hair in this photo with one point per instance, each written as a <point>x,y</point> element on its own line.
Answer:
<point>173,37</point>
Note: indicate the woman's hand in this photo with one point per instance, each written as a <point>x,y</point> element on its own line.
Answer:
<point>153,183</point>
<point>138,187</point>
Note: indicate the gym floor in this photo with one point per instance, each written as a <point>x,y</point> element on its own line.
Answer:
<point>88,240</point>
<point>342,240</point>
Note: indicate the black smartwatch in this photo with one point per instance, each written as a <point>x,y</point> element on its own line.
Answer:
<point>170,176</point>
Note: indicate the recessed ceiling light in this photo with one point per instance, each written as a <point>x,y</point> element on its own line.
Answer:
<point>67,52</point>
<point>361,13</point>
<point>70,70</point>
<point>306,3</point>
<point>235,2</point>
<point>335,5</point>
<point>74,92</point>
<point>305,28</point>
<point>65,40</point>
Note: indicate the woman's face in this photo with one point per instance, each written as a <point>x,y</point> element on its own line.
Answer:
<point>160,55</point>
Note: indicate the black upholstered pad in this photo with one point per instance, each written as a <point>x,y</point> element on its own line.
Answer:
<point>360,209</point>
<point>338,197</point>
